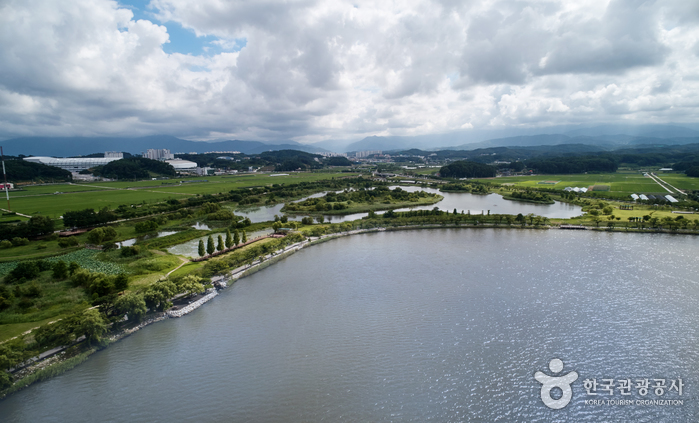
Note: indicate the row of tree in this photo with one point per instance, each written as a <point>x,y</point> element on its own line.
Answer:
<point>230,242</point>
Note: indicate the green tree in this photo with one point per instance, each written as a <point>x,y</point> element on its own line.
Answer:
<point>158,294</point>
<point>131,304</point>
<point>276,226</point>
<point>210,245</point>
<point>95,236</point>
<point>219,244</point>
<point>202,250</point>
<point>121,282</point>
<point>236,238</point>
<point>229,239</point>
<point>11,354</point>
<point>72,267</point>
<point>245,237</point>
<point>92,325</point>
<point>191,284</point>
<point>60,270</point>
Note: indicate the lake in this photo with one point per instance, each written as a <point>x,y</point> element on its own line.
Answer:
<point>461,201</point>
<point>434,325</point>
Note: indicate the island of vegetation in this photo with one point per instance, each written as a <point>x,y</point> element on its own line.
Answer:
<point>529,196</point>
<point>362,200</point>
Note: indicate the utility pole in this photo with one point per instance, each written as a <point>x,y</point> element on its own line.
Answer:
<point>7,193</point>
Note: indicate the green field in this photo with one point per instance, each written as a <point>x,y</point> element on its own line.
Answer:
<point>40,199</point>
<point>52,188</point>
<point>621,184</point>
<point>55,205</point>
<point>680,181</point>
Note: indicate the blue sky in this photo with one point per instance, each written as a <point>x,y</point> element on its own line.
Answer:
<point>182,40</point>
<point>313,70</point>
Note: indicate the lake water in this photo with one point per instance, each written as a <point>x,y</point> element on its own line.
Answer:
<point>461,201</point>
<point>442,325</point>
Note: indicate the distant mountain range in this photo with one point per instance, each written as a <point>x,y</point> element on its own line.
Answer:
<point>603,137</point>
<point>77,146</point>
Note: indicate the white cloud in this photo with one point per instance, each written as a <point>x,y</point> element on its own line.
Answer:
<point>312,70</point>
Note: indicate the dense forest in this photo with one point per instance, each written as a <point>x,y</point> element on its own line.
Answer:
<point>564,165</point>
<point>280,161</point>
<point>19,170</point>
<point>134,168</point>
<point>465,169</point>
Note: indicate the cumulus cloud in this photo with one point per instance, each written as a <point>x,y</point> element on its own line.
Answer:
<point>310,70</point>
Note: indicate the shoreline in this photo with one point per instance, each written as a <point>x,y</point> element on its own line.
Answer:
<point>57,364</point>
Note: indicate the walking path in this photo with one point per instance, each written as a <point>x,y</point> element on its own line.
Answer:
<point>18,214</point>
<point>673,187</point>
<point>657,181</point>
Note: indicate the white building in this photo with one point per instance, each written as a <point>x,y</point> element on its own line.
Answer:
<point>163,154</point>
<point>180,164</point>
<point>73,164</point>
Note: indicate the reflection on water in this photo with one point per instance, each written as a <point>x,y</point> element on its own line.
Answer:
<point>201,226</point>
<point>466,202</point>
<point>364,329</point>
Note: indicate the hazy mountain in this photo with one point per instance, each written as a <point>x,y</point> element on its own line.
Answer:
<point>75,146</point>
<point>644,131</point>
<point>606,136</point>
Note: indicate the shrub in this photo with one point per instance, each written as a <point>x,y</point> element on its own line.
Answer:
<point>130,251</point>
<point>147,226</point>
<point>70,241</point>
<point>221,215</point>
<point>17,241</point>
<point>5,244</point>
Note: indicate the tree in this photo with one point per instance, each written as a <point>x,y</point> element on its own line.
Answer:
<point>191,284</point>
<point>60,270</point>
<point>229,239</point>
<point>158,294</point>
<point>320,219</point>
<point>131,304</point>
<point>121,282</point>
<point>210,245</point>
<point>72,267</point>
<point>245,237</point>
<point>219,244</point>
<point>202,250</point>
<point>276,226</point>
<point>95,236</point>
<point>92,325</point>
<point>236,238</point>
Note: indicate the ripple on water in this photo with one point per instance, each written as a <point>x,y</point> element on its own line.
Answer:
<point>442,325</point>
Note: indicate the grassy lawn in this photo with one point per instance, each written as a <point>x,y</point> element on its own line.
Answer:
<point>53,188</point>
<point>620,184</point>
<point>680,180</point>
<point>41,200</point>
<point>13,329</point>
<point>55,205</point>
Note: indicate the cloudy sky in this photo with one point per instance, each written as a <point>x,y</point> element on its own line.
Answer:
<point>312,70</point>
